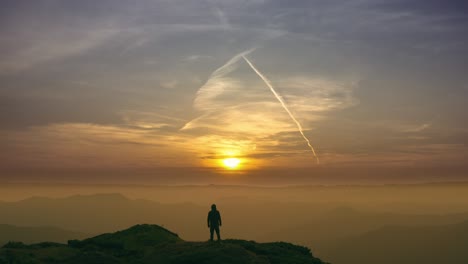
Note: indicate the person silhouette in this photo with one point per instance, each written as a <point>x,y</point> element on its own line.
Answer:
<point>214,222</point>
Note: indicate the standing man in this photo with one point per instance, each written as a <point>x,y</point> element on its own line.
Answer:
<point>214,222</point>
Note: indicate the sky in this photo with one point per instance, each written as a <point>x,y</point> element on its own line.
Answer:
<point>151,85</point>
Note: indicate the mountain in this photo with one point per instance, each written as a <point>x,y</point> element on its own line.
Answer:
<point>404,245</point>
<point>100,213</point>
<point>154,244</point>
<point>343,222</point>
<point>301,223</point>
<point>36,234</point>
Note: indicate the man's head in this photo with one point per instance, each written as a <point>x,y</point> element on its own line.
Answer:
<point>213,207</point>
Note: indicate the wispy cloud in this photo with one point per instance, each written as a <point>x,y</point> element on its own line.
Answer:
<point>51,44</point>
<point>223,19</point>
<point>417,128</point>
<point>241,107</point>
<point>92,145</point>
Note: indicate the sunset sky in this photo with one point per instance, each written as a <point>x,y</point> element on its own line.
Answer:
<point>112,84</point>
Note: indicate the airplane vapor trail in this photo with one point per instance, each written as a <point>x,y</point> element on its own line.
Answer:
<point>285,107</point>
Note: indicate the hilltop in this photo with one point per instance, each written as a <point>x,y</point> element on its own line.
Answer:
<point>154,244</point>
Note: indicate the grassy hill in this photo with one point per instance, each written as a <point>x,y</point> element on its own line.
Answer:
<point>154,244</point>
<point>30,235</point>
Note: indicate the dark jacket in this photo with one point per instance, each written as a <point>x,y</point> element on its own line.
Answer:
<point>214,218</point>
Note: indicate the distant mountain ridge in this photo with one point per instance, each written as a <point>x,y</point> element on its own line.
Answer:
<point>154,244</point>
<point>95,213</point>
<point>341,218</point>
<point>37,234</point>
<point>405,245</point>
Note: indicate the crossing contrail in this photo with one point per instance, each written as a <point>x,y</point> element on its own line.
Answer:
<point>285,107</point>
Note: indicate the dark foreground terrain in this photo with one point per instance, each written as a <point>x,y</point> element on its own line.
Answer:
<point>154,244</point>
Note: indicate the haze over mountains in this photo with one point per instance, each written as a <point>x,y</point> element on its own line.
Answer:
<point>326,219</point>
<point>404,244</point>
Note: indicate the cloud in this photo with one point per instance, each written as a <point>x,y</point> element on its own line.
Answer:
<point>230,98</point>
<point>236,105</point>
<point>222,18</point>
<point>149,120</point>
<point>44,42</point>
<point>91,145</point>
<point>123,75</point>
<point>309,94</point>
<point>53,48</point>
<point>418,128</point>
<point>194,58</point>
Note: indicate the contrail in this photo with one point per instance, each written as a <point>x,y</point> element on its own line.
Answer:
<point>267,82</point>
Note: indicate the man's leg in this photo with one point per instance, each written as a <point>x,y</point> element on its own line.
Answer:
<point>211,233</point>
<point>217,233</point>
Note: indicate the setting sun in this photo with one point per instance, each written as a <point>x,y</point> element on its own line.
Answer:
<point>231,163</point>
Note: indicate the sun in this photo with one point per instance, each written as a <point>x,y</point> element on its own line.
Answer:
<point>231,163</point>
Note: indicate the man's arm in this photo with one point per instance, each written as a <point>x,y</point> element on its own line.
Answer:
<point>208,219</point>
<point>219,214</point>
